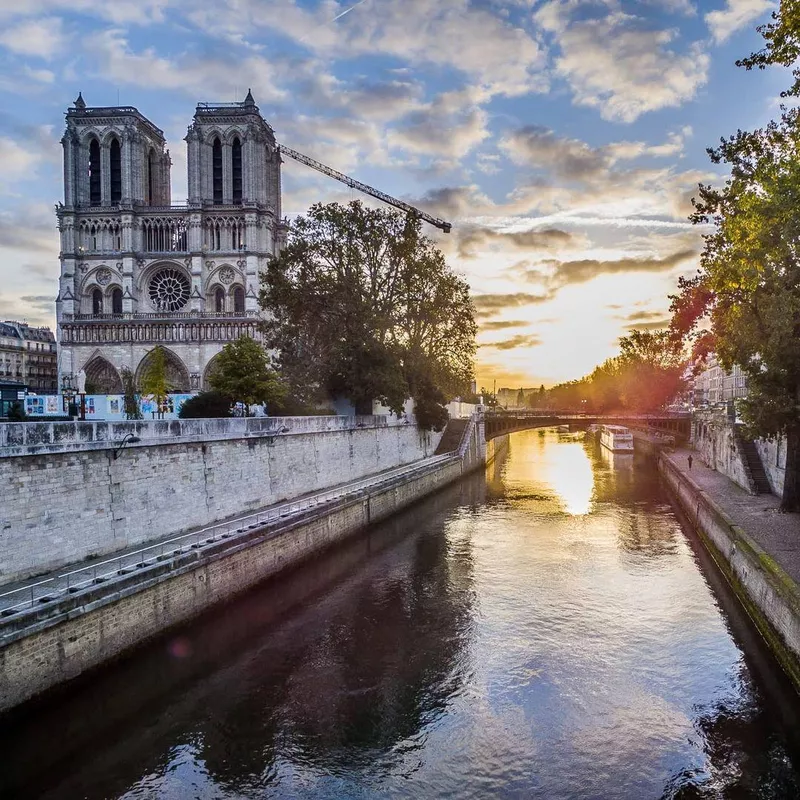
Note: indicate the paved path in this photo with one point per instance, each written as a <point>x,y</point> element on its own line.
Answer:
<point>19,595</point>
<point>758,515</point>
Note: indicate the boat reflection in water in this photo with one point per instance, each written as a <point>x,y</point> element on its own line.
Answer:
<point>617,460</point>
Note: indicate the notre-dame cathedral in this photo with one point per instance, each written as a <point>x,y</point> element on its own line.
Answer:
<point>137,271</point>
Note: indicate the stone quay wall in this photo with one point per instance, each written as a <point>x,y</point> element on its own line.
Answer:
<point>770,596</point>
<point>65,498</point>
<point>64,639</point>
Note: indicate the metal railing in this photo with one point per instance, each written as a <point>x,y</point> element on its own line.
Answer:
<point>66,583</point>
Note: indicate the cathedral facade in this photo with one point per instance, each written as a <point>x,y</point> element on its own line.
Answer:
<point>137,271</point>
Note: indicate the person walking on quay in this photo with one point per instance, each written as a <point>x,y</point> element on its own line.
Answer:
<point>689,459</point>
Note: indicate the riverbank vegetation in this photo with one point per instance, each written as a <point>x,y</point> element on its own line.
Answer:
<point>744,302</point>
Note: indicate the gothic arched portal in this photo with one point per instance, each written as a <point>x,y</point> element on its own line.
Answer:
<point>102,377</point>
<point>177,374</point>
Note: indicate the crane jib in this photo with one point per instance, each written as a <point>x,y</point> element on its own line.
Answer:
<point>363,187</point>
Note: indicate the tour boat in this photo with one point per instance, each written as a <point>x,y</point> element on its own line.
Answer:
<point>616,438</point>
<point>563,428</point>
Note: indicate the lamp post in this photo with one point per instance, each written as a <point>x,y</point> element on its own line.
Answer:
<point>128,438</point>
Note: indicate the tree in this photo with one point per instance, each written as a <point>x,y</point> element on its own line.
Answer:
<point>242,372</point>
<point>206,405</point>
<point>154,379</point>
<point>782,44</point>
<point>130,402</point>
<point>650,369</point>
<point>748,287</point>
<point>520,399</point>
<point>363,306</point>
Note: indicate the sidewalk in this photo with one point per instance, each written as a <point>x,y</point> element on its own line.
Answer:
<point>757,515</point>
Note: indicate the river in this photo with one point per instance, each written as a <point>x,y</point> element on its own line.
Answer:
<point>546,630</point>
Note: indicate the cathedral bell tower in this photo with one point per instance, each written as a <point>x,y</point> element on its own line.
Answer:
<point>233,157</point>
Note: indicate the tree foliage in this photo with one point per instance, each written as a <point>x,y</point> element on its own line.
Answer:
<point>644,377</point>
<point>242,373</point>
<point>748,288</point>
<point>130,402</point>
<point>206,405</point>
<point>154,379</point>
<point>782,44</point>
<point>363,306</point>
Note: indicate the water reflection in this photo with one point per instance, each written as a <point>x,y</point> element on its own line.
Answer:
<point>540,631</point>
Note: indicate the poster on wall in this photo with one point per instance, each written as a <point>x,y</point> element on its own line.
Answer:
<point>90,407</point>
<point>52,404</point>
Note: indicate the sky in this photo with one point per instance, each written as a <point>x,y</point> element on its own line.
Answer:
<point>563,139</point>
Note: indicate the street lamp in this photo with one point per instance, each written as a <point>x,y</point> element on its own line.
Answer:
<point>129,438</point>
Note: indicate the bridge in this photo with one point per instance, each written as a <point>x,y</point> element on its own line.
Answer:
<point>676,424</point>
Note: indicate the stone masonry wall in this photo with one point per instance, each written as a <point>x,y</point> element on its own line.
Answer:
<point>773,457</point>
<point>68,644</point>
<point>714,439</point>
<point>61,507</point>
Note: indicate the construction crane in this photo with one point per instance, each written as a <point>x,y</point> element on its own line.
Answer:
<point>362,187</point>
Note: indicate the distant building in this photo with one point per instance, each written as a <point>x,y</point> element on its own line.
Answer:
<point>714,385</point>
<point>28,357</point>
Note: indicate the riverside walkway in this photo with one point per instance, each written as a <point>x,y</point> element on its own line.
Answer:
<point>23,595</point>
<point>759,516</point>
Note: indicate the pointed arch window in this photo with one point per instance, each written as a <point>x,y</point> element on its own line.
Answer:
<point>95,184</point>
<point>236,169</point>
<point>219,300</point>
<point>116,301</point>
<point>97,302</point>
<point>216,167</point>
<point>151,177</point>
<point>238,300</point>
<point>115,162</point>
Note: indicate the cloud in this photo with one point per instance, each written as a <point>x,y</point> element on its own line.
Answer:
<point>737,14</point>
<point>489,305</point>
<point>471,239</point>
<point>43,304</point>
<point>620,66</point>
<point>202,75</point>
<point>118,12</point>
<point>29,228</point>
<point>572,272</point>
<point>450,126</point>
<point>501,325</point>
<point>521,340</point>
<point>459,35</point>
<point>43,37</point>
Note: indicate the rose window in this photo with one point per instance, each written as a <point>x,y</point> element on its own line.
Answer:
<point>169,290</point>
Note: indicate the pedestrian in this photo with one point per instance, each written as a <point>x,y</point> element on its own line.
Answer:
<point>690,460</point>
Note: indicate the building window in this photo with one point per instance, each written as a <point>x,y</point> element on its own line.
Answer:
<point>236,164</point>
<point>219,300</point>
<point>151,177</point>
<point>95,190</point>
<point>238,300</point>
<point>216,164</point>
<point>116,171</point>
<point>97,302</point>
<point>116,301</point>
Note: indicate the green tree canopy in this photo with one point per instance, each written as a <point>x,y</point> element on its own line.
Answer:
<point>781,43</point>
<point>154,379</point>
<point>363,306</point>
<point>242,372</point>
<point>747,290</point>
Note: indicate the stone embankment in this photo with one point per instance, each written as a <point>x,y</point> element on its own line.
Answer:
<point>754,545</point>
<point>68,629</point>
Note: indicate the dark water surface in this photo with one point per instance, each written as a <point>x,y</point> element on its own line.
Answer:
<point>544,631</point>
